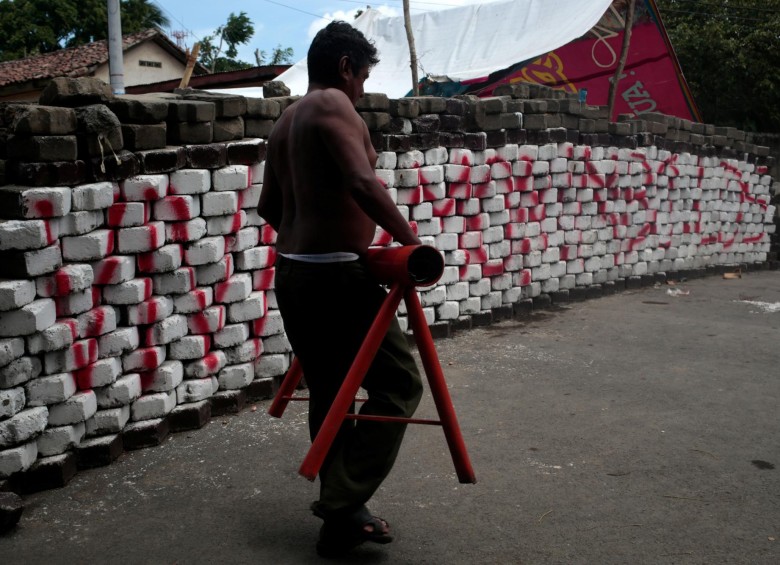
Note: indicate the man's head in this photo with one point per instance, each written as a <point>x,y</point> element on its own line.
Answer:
<point>336,49</point>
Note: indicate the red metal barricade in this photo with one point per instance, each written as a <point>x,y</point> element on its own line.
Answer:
<point>403,268</point>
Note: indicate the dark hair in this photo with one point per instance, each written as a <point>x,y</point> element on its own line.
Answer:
<point>333,42</point>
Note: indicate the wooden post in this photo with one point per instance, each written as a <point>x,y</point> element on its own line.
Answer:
<point>623,56</point>
<point>412,49</point>
<point>191,60</point>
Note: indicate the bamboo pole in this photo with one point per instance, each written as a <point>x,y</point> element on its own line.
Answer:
<point>623,56</point>
<point>412,49</point>
<point>191,60</point>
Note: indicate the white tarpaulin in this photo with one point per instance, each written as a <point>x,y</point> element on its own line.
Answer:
<point>465,43</point>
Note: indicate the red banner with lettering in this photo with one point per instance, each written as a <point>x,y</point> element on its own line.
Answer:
<point>651,80</point>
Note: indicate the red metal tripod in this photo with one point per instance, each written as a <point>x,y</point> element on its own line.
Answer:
<point>403,268</point>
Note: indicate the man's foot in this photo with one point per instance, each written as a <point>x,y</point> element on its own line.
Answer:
<point>340,533</point>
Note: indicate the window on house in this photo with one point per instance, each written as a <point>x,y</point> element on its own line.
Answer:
<point>155,64</point>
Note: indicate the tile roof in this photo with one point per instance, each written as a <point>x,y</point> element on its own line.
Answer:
<point>74,61</point>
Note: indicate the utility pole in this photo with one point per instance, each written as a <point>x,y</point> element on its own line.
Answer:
<point>116,68</point>
<point>412,49</point>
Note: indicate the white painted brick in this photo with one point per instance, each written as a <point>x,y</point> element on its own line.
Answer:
<point>189,347</point>
<point>206,250</point>
<point>140,239</point>
<point>56,336</point>
<point>143,359</point>
<point>115,269</point>
<point>68,279</point>
<point>255,306</point>
<point>29,319</point>
<point>233,177</point>
<point>244,239</point>
<point>75,303</point>
<point>212,273</point>
<point>435,156</point>
<point>190,181</point>
<point>209,365</point>
<point>194,390</point>
<point>219,203</point>
<point>207,321</point>
<point>244,353</point>
<point>95,196</point>
<point>149,311</point>
<point>236,377</point>
<point>128,214</point>
<point>16,459</point>
<point>16,293</point>
<point>180,281</point>
<point>177,208</point>
<point>12,401</point>
<point>96,322</point>
<point>250,197</point>
<point>28,234</point>
<point>183,232</point>
<point>78,408</point>
<point>123,392</point>
<point>58,440</point>
<point>22,427</point>
<point>28,202</point>
<point>193,301</point>
<point>133,291</point>
<point>109,421</point>
<point>79,223</point>
<point>155,405</point>
<point>77,356</point>
<point>164,378</point>
<point>255,258</point>
<point>224,225</point>
<point>270,324</point>
<point>40,261</point>
<point>144,188</point>
<point>269,366</point>
<point>280,343</point>
<point>231,335</point>
<point>165,259</point>
<point>102,372</point>
<point>170,329</point>
<point>237,288</point>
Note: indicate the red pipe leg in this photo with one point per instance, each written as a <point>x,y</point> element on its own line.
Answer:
<point>349,388</point>
<point>441,395</point>
<point>286,389</point>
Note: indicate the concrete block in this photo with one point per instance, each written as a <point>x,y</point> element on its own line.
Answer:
<point>128,214</point>
<point>23,426</point>
<point>58,440</point>
<point>193,301</point>
<point>144,188</point>
<point>77,356</point>
<point>16,293</point>
<point>139,239</point>
<point>118,342</point>
<point>121,393</point>
<point>12,401</point>
<point>94,196</point>
<point>29,319</point>
<point>134,291</point>
<point>16,459</point>
<point>28,234</point>
<point>209,365</point>
<point>149,311</point>
<point>78,408</point>
<point>25,202</point>
<point>143,359</point>
<point>102,372</point>
<point>195,390</point>
<point>68,279</point>
<point>108,421</point>
<point>154,405</point>
<point>182,232</point>
<point>164,378</point>
<point>52,389</point>
<point>172,328</point>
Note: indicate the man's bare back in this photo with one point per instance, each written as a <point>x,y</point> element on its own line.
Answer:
<point>320,191</point>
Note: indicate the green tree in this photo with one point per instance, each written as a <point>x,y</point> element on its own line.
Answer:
<point>31,27</point>
<point>279,56</point>
<point>238,30</point>
<point>729,51</point>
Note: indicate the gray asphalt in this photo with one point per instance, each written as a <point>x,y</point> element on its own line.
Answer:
<point>636,428</point>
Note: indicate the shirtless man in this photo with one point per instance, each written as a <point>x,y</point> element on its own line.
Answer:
<point>321,194</point>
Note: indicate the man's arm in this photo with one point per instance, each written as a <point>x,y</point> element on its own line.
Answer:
<point>343,132</point>
<point>270,205</point>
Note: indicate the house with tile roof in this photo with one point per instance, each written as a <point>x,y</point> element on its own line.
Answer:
<point>149,57</point>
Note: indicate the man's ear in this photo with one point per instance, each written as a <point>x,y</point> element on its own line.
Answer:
<point>345,67</point>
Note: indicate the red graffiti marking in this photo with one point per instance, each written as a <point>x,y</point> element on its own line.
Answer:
<point>43,209</point>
